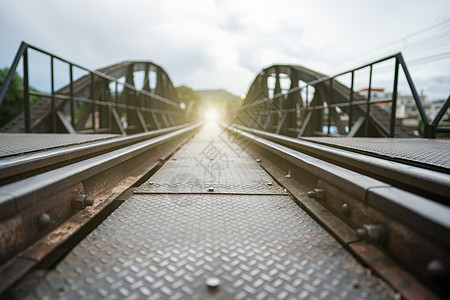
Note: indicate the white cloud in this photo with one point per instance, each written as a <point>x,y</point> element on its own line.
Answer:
<point>218,43</point>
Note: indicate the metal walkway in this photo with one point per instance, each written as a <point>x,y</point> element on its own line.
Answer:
<point>211,212</point>
<point>16,144</point>
<point>427,153</point>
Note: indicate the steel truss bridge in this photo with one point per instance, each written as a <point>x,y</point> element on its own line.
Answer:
<point>108,190</point>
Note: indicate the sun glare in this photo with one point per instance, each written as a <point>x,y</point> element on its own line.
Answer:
<point>212,115</point>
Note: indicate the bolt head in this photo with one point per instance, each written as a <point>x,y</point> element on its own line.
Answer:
<point>88,201</point>
<point>258,160</point>
<point>213,283</point>
<point>211,189</point>
<point>44,221</point>
<point>78,202</point>
<point>361,233</point>
<point>372,234</point>
<point>151,183</point>
<point>269,183</point>
<point>317,193</point>
<point>345,209</point>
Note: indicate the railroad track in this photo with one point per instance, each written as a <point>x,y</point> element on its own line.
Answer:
<point>49,197</point>
<point>393,216</point>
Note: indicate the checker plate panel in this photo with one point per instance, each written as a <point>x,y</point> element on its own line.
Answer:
<point>18,143</point>
<point>422,152</point>
<point>166,246</point>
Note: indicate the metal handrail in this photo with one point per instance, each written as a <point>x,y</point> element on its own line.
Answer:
<point>23,53</point>
<point>12,71</point>
<point>430,128</point>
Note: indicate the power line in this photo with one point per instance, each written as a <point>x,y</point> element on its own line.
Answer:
<point>390,44</point>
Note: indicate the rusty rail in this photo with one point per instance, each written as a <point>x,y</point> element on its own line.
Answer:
<point>41,212</point>
<point>402,236</point>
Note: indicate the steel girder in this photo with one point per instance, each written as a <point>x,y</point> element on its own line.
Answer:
<point>124,112</point>
<point>279,112</point>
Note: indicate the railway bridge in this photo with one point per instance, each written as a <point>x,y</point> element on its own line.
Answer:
<point>309,191</point>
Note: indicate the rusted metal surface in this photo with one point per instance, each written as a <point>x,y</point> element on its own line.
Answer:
<point>386,268</point>
<point>18,232</point>
<point>170,246</point>
<point>103,186</point>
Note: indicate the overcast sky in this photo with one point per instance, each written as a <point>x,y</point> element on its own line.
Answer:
<point>209,44</point>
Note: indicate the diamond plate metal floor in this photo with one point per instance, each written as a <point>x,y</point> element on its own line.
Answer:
<point>18,143</point>
<point>424,152</point>
<point>175,233</point>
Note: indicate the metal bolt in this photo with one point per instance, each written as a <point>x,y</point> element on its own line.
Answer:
<point>151,183</point>
<point>213,283</point>
<point>78,202</point>
<point>436,271</point>
<point>211,189</point>
<point>44,221</point>
<point>345,209</point>
<point>88,201</point>
<point>82,201</point>
<point>258,160</point>
<point>317,194</point>
<point>269,183</point>
<point>372,234</point>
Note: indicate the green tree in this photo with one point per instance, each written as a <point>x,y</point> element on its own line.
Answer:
<point>186,95</point>
<point>13,103</point>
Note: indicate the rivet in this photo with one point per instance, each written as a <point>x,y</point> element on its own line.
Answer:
<point>258,160</point>
<point>269,183</point>
<point>211,189</point>
<point>345,209</point>
<point>44,221</point>
<point>213,283</point>
<point>151,183</point>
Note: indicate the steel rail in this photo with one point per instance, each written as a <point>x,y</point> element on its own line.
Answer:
<point>19,195</point>
<point>44,212</point>
<point>399,234</point>
<point>415,179</point>
<point>26,163</point>
<point>436,216</point>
